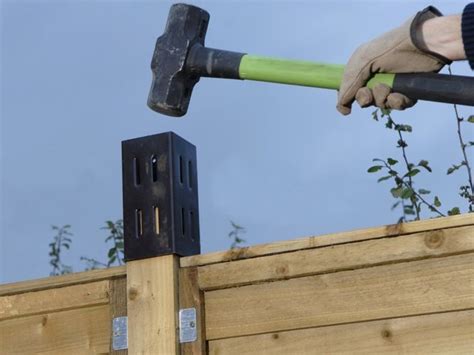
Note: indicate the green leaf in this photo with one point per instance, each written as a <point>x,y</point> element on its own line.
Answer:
<point>403,128</point>
<point>375,115</point>
<point>392,161</point>
<point>401,144</point>
<point>397,191</point>
<point>111,252</point>
<point>412,172</point>
<point>409,210</point>
<point>454,211</point>
<point>424,164</point>
<point>437,202</point>
<point>112,260</point>
<point>374,168</point>
<point>385,111</point>
<point>455,167</point>
<point>424,192</point>
<point>384,178</point>
<point>407,193</point>
<point>470,119</point>
<point>395,205</point>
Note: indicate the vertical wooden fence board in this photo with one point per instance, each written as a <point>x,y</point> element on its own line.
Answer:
<point>118,306</point>
<point>411,288</point>
<point>152,305</point>
<point>78,331</point>
<point>440,333</point>
<point>190,296</point>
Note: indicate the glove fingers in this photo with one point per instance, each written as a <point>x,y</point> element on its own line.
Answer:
<point>355,76</point>
<point>364,97</point>
<point>381,92</point>
<point>399,101</point>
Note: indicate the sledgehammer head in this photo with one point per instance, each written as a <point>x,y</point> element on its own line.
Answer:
<point>172,86</point>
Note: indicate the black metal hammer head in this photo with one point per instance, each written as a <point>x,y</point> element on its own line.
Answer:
<point>172,86</point>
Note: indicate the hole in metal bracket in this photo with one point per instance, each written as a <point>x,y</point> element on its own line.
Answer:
<point>190,174</point>
<point>156,214</point>
<point>136,171</point>
<point>181,168</point>
<point>138,223</point>
<point>183,222</point>
<point>193,224</point>
<point>154,168</point>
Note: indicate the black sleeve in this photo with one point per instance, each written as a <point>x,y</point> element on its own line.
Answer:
<point>467,28</point>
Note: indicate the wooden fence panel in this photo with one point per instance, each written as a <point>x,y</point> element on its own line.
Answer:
<point>410,288</point>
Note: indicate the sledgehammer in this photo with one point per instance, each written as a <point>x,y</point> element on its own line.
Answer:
<point>180,59</point>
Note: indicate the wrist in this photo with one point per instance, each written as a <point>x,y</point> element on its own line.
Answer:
<point>442,35</point>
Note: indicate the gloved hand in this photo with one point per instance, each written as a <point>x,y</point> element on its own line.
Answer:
<point>401,50</point>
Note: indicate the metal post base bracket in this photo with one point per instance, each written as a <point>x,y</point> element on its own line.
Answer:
<point>160,197</point>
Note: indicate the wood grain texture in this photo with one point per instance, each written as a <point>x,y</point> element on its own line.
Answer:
<point>152,305</point>
<point>190,296</point>
<point>118,306</point>
<point>61,281</point>
<point>53,300</point>
<point>329,239</point>
<point>441,333</point>
<point>78,331</point>
<point>411,288</point>
<point>337,257</point>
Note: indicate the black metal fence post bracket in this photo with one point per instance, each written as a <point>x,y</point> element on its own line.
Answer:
<point>160,197</point>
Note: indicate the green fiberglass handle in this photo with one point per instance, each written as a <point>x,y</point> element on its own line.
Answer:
<point>453,89</point>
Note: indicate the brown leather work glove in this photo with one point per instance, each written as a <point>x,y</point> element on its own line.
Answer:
<point>401,50</point>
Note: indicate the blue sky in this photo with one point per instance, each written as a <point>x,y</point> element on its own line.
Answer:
<point>276,159</point>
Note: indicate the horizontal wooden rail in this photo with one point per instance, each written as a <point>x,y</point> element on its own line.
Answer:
<point>329,239</point>
<point>439,333</point>
<point>62,280</point>
<point>69,297</point>
<point>337,257</point>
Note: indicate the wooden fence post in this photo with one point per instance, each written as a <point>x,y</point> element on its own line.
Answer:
<point>161,221</point>
<point>152,291</point>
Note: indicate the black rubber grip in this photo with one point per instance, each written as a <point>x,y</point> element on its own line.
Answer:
<point>453,89</point>
<point>214,63</point>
